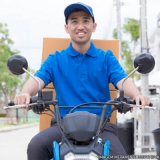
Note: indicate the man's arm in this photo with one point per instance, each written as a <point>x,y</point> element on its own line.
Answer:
<point>130,90</point>
<point>29,89</point>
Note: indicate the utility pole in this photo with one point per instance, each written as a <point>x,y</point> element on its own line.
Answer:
<point>144,78</point>
<point>119,35</point>
<point>158,20</point>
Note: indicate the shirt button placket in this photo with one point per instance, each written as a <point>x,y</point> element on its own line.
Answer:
<point>83,70</point>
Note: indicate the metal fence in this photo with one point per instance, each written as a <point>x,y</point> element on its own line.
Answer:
<point>15,116</point>
<point>141,139</point>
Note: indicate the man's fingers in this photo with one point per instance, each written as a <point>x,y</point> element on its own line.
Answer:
<point>148,101</point>
<point>28,100</point>
<point>131,110</point>
<point>142,102</point>
<point>145,101</point>
<point>137,101</point>
<point>22,99</point>
<point>15,101</point>
<point>28,108</point>
<point>19,100</point>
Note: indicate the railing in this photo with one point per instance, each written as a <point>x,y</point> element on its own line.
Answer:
<point>146,140</point>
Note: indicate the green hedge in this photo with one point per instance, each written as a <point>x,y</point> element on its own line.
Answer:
<point>3,115</point>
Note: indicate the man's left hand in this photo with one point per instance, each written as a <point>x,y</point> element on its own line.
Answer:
<point>145,101</point>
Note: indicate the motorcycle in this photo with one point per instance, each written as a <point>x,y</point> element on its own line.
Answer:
<point>80,130</point>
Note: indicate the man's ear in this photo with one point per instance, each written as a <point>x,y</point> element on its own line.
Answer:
<point>94,27</point>
<point>66,28</point>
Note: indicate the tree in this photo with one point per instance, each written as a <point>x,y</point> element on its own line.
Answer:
<point>131,28</point>
<point>9,84</point>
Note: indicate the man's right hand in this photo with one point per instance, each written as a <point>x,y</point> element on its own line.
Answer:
<point>23,98</point>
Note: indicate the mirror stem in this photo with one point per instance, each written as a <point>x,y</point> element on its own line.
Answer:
<point>122,91</point>
<point>129,76</point>
<point>39,85</point>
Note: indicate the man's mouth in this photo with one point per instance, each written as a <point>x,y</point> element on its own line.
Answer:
<point>80,34</point>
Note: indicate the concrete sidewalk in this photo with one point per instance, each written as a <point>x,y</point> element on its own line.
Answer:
<point>141,156</point>
<point>138,154</point>
<point>16,127</point>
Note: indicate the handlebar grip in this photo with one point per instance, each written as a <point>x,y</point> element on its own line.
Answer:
<point>134,102</point>
<point>32,100</point>
<point>11,103</point>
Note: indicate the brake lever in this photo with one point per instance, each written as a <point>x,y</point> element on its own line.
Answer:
<point>16,106</point>
<point>146,107</point>
<point>19,106</point>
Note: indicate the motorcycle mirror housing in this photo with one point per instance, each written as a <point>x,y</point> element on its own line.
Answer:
<point>145,63</point>
<point>16,63</point>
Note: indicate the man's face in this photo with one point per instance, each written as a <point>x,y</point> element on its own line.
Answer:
<point>80,27</point>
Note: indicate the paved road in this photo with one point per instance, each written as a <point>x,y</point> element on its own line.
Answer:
<point>13,144</point>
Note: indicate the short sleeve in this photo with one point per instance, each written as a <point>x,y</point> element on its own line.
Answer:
<point>46,71</point>
<point>115,71</point>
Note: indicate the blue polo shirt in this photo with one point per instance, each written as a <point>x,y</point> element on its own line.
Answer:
<point>80,78</point>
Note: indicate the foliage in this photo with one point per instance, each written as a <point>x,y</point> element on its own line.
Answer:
<point>9,84</point>
<point>2,115</point>
<point>130,27</point>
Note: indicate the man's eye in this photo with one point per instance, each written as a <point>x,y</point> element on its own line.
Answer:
<point>74,21</point>
<point>86,21</point>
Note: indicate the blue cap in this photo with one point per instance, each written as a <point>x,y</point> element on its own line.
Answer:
<point>78,5</point>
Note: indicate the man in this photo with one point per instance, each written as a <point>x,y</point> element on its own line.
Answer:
<point>80,74</point>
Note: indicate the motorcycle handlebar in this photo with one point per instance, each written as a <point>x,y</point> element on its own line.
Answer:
<point>134,102</point>
<point>32,100</point>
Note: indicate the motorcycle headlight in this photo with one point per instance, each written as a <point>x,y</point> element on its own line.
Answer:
<point>71,156</point>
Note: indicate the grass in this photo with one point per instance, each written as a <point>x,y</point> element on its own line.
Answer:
<point>21,123</point>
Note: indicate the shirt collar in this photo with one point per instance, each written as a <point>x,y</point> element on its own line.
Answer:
<point>91,52</point>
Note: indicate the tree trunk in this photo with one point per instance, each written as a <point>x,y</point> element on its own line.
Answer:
<point>9,111</point>
<point>24,115</point>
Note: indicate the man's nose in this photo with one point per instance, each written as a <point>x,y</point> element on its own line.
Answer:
<point>80,26</point>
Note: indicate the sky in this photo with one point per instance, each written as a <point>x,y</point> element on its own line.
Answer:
<point>29,21</point>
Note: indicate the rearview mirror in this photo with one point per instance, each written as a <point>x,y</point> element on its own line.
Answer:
<point>145,62</point>
<point>16,63</point>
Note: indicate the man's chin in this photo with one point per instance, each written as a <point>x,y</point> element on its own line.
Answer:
<point>81,42</point>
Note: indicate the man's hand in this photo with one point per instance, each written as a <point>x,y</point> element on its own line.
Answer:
<point>22,98</point>
<point>29,89</point>
<point>130,90</point>
<point>145,101</point>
